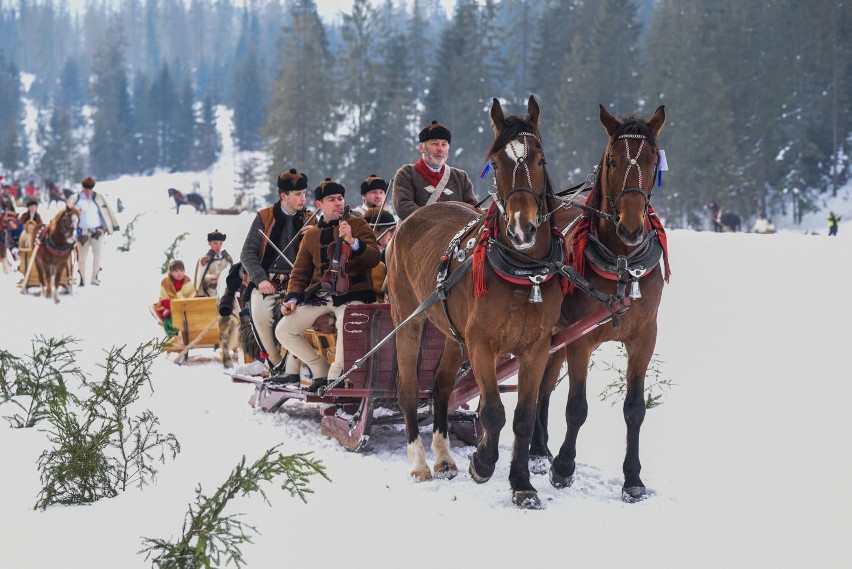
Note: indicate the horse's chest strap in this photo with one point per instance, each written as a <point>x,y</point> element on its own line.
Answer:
<point>528,272</point>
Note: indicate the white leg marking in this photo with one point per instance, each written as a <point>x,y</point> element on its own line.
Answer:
<point>417,456</point>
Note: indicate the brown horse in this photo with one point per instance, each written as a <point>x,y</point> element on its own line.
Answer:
<point>55,243</point>
<point>617,243</point>
<point>492,310</point>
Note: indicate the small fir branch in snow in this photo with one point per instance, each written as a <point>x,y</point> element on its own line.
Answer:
<point>655,385</point>
<point>99,448</point>
<point>171,252</point>
<point>208,536</point>
<point>129,238</point>
<point>28,384</point>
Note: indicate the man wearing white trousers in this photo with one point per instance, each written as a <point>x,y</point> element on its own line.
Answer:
<point>96,220</point>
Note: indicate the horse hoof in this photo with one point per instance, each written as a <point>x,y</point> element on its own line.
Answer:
<point>526,500</point>
<point>446,470</point>
<point>539,464</point>
<point>559,481</point>
<point>633,494</point>
<point>422,475</point>
<point>478,478</point>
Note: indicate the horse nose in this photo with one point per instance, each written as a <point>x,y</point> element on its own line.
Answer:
<point>522,235</point>
<point>629,237</point>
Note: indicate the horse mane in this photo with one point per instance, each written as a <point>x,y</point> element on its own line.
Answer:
<point>513,125</point>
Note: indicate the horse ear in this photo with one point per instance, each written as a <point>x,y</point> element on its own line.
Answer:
<point>609,122</point>
<point>533,110</point>
<point>658,120</point>
<point>497,118</point>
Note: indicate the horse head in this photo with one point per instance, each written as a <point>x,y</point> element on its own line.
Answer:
<point>517,156</point>
<point>629,170</point>
<point>172,192</point>
<point>64,224</point>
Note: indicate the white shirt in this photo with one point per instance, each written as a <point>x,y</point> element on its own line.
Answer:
<point>90,215</point>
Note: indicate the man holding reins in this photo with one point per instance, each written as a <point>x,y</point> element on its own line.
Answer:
<point>431,179</point>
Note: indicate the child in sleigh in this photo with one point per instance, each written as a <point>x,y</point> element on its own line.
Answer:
<point>175,285</point>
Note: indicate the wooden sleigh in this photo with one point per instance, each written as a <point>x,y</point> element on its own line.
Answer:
<point>369,396</point>
<point>31,273</point>
<point>197,320</point>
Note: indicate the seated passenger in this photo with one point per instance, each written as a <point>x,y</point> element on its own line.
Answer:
<point>383,224</point>
<point>175,285</point>
<point>12,229</point>
<point>25,245</point>
<point>31,213</point>
<point>306,301</point>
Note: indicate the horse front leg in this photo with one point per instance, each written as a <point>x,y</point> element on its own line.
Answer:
<point>531,367</point>
<point>445,378</point>
<point>576,411</point>
<point>491,413</point>
<point>638,357</point>
<point>540,455</point>
<point>408,386</point>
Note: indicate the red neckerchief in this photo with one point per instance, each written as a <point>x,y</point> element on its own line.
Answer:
<point>432,178</point>
<point>177,284</point>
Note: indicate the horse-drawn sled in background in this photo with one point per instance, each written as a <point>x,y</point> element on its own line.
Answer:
<point>465,338</point>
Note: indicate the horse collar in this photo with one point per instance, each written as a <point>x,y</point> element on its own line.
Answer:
<point>636,264</point>
<point>528,272</point>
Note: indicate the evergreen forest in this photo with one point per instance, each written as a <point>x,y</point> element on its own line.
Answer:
<point>758,93</point>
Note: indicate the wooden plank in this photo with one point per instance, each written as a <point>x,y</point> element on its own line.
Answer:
<point>195,316</point>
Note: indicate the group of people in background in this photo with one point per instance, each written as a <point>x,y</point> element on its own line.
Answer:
<point>96,219</point>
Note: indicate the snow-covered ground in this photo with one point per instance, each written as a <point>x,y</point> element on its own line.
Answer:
<point>747,461</point>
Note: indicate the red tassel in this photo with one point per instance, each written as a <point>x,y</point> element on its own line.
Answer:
<point>654,219</point>
<point>578,247</point>
<point>480,288</point>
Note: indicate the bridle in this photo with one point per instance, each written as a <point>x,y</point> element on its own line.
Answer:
<point>632,162</point>
<point>520,159</point>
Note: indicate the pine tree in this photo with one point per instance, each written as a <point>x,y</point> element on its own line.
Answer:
<point>112,148</point>
<point>60,158</point>
<point>183,127</point>
<point>11,151</point>
<point>249,100</point>
<point>459,91</point>
<point>392,132</point>
<point>208,143</point>
<point>699,131</point>
<point>301,110</point>
<point>359,89</point>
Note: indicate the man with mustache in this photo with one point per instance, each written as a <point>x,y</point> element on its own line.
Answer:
<point>431,179</point>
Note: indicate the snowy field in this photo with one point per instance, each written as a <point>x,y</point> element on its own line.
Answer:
<point>747,461</point>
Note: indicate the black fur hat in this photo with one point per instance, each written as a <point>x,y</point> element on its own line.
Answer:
<point>373,182</point>
<point>328,187</point>
<point>88,183</point>
<point>290,180</point>
<point>216,236</point>
<point>435,131</point>
<point>381,219</point>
